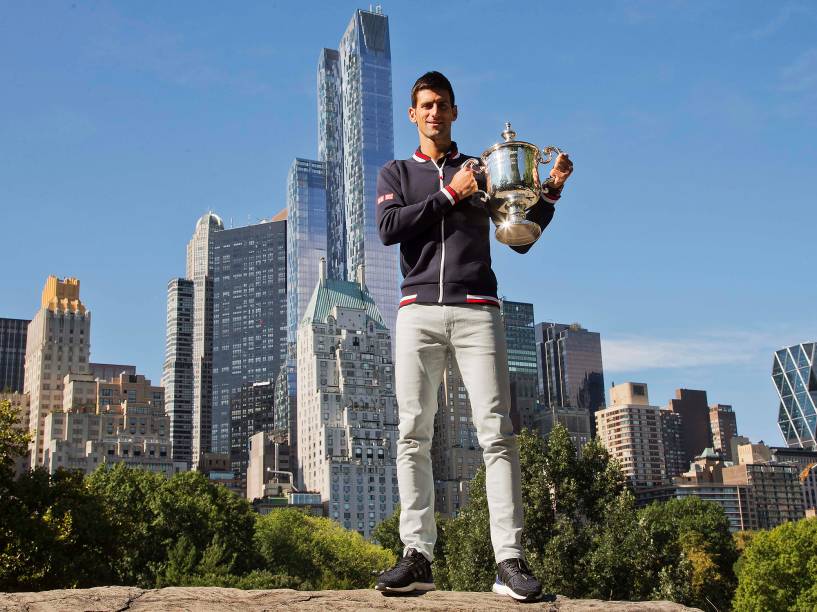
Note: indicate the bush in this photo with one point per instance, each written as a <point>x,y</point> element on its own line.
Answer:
<point>317,551</point>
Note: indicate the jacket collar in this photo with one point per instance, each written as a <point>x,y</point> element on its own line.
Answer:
<point>421,157</point>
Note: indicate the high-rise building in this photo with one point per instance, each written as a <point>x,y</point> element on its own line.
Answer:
<point>571,378</point>
<point>330,152</point>
<point>249,280</point>
<point>630,430</point>
<point>696,433</point>
<point>58,343</point>
<point>306,236</point>
<point>724,427</point>
<point>347,411</point>
<point>177,373</point>
<point>286,396</point>
<point>517,318</point>
<point>795,378</point>
<point>674,455</point>
<point>455,451</point>
<point>199,270</point>
<point>775,494</point>
<point>252,410</point>
<point>13,354</point>
<point>360,139</point>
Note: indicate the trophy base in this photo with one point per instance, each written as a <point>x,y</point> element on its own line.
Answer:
<point>518,233</point>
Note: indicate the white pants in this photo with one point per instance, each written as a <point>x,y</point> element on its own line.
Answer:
<point>475,336</point>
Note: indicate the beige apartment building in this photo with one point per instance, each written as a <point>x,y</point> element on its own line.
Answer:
<point>109,422</point>
<point>630,429</point>
<point>775,493</point>
<point>58,343</point>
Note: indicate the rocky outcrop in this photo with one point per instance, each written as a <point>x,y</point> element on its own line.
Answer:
<point>200,599</point>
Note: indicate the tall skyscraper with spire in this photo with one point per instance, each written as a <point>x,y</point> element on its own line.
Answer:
<point>355,138</point>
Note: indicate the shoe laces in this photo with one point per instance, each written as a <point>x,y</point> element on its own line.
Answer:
<point>404,561</point>
<point>518,566</point>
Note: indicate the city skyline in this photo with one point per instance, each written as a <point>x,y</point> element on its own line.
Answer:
<point>708,318</point>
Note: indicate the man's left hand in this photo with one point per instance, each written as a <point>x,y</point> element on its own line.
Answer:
<point>560,172</point>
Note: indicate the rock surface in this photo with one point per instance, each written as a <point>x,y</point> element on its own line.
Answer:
<point>201,599</point>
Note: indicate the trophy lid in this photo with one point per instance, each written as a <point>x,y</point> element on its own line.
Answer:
<point>508,134</point>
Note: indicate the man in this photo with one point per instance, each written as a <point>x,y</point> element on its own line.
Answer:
<point>449,304</point>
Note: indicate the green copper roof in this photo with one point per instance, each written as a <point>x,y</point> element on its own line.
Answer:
<point>345,294</point>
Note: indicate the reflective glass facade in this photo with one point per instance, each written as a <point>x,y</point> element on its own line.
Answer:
<point>306,236</point>
<point>13,334</point>
<point>249,325</point>
<point>330,151</point>
<point>570,369</point>
<point>795,379</point>
<point>522,365</point>
<point>368,143</point>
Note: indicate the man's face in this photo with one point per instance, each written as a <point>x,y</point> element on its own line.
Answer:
<point>433,113</point>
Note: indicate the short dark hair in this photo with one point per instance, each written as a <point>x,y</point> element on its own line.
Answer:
<point>435,81</point>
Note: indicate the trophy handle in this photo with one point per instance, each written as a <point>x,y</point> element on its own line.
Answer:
<point>547,154</point>
<point>477,167</point>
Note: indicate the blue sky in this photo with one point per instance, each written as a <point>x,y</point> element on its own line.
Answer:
<point>685,237</point>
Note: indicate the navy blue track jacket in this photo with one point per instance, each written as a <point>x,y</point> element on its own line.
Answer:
<point>445,252</point>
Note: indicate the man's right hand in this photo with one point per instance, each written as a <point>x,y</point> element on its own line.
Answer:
<point>464,183</point>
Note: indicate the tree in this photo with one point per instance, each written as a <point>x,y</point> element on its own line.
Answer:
<point>55,534</point>
<point>128,495</point>
<point>692,552</point>
<point>152,514</point>
<point>13,443</point>
<point>317,551</point>
<point>779,569</point>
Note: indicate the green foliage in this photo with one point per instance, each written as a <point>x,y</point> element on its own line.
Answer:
<point>152,515</point>
<point>469,555</point>
<point>318,551</point>
<point>13,443</point>
<point>779,569</point>
<point>691,551</point>
<point>387,533</point>
<point>53,534</point>
<point>584,538</point>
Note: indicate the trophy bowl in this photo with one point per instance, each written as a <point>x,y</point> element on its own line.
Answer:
<point>512,185</point>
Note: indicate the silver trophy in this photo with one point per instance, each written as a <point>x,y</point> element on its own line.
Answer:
<point>512,185</point>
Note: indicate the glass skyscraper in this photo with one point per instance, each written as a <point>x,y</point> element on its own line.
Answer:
<point>306,236</point>
<point>571,379</point>
<point>364,68</point>
<point>330,152</point>
<point>794,376</point>
<point>522,366</point>
<point>249,327</point>
<point>13,334</point>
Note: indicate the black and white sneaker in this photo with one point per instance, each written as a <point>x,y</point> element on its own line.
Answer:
<point>514,578</point>
<point>412,572</point>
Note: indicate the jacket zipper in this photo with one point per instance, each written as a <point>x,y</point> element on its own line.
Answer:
<point>442,229</point>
